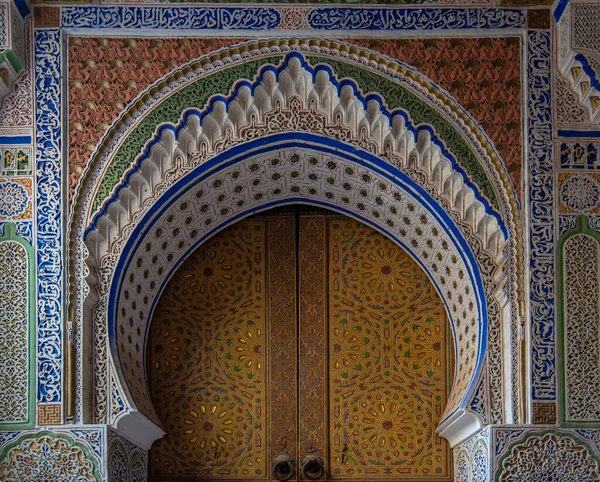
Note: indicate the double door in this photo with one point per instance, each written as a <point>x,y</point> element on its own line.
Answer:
<point>299,332</point>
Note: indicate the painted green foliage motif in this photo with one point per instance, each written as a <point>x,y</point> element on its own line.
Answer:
<point>421,113</point>
<point>48,456</point>
<point>195,95</point>
<point>198,93</point>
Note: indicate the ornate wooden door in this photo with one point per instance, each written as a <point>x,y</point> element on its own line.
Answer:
<point>298,332</point>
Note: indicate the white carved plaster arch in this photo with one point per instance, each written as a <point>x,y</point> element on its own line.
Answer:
<point>129,200</point>
<point>377,194</point>
<point>290,100</point>
<point>574,67</point>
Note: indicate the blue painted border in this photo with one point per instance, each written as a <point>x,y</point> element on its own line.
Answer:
<point>260,18</point>
<point>14,140</point>
<point>541,227</point>
<point>339,86</point>
<point>402,18</point>
<point>560,9</point>
<point>587,68</point>
<point>583,134</point>
<point>22,7</point>
<point>171,17</point>
<point>49,214</point>
<point>323,144</point>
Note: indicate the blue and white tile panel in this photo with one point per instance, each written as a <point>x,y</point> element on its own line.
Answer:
<point>265,18</point>
<point>49,214</point>
<point>541,216</point>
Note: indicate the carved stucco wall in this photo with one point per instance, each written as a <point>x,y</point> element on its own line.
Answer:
<point>478,230</point>
<point>570,113</point>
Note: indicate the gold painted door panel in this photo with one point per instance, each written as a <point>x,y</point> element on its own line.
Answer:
<point>294,332</point>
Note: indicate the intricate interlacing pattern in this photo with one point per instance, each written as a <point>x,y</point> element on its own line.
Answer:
<point>484,77</point>
<point>14,333</point>
<point>105,74</point>
<point>298,98</point>
<point>16,198</point>
<point>581,333</point>
<point>586,27</point>
<point>126,461</point>
<point>541,208</point>
<point>567,106</point>
<point>312,338</point>
<point>49,215</point>
<point>47,458</point>
<point>293,174</point>
<point>283,348</point>
<point>548,457</point>
<point>472,459</point>
<point>208,361</point>
<point>579,193</point>
<point>388,369</point>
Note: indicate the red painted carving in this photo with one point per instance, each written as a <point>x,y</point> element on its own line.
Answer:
<point>105,74</point>
<point>482,74</point>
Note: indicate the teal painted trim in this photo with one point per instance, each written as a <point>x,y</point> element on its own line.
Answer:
<point>12,59</point>
<point>54,436</point>
<point>581,228</point>
<point>10,234</point>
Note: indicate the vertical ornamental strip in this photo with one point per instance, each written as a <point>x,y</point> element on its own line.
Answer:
<point>50,263</point>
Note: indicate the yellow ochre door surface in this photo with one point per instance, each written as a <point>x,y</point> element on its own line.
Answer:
<point>300,331</point>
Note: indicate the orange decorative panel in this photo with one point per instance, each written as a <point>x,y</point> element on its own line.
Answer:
<point>208,361</point>
<point>387,370</point>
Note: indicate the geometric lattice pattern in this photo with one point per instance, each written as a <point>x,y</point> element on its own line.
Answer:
<point>384,369</point>
<point>49,458</point>
<point>208,361</point>
<point>14,333</point>
<point>581,287</point>
<point>388,362</point>
<point>548,457</point>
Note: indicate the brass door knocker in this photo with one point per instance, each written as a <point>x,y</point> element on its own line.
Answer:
<point>283,467</point>
<point>313,466</point>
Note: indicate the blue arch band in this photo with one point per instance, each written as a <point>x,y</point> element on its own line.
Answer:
<point>339,85</point>
<point>325,145</point>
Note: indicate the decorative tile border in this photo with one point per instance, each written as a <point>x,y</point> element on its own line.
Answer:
<point>16,160</point>
<point>580,155</point>
<point>541,211</point>
<point>16,198</point>
<point>70,454</point>
<point>544,453</point>
<point>49,215</point>
<point>273,18</point>
<point>348,18</point>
